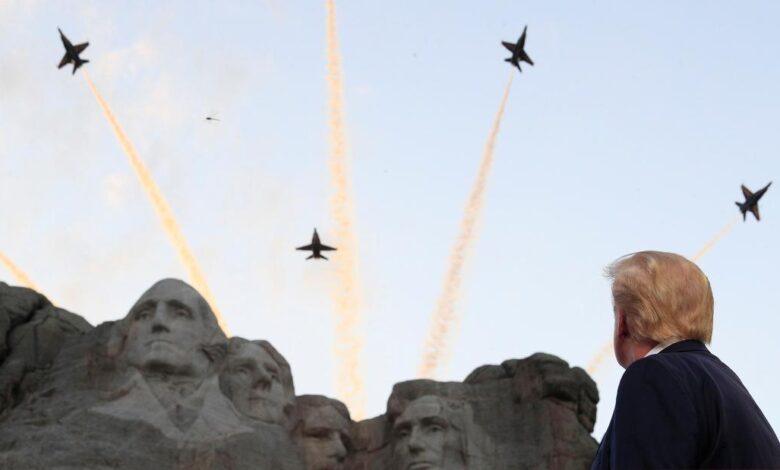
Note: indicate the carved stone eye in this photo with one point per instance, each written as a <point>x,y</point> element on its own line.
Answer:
<point>182,312</point>
<point>318,433</point>
<point>143,314</point>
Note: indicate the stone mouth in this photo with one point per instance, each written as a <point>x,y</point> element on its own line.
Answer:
<point>420,465</point>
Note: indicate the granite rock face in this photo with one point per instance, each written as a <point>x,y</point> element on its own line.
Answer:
<point>32,331</point>
<point>533,413</point>
<point>163,388</point>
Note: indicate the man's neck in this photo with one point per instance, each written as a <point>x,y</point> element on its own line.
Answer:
<point>661,346</point>
<point>637,349</point>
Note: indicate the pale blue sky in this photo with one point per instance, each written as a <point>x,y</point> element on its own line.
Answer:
<point>633,131</point>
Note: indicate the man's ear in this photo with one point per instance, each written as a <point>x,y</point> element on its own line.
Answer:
<point>623,331</point>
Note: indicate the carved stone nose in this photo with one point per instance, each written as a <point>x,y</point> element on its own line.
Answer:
<point>263,383</point>
<point>339,451</point>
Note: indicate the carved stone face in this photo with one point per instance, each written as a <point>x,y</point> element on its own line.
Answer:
<point>252,380</point>
<point>323,438</point>
<point>424,438</point>
<point>167,328</point>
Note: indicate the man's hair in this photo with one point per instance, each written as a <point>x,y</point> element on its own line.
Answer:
<point>664,296</point>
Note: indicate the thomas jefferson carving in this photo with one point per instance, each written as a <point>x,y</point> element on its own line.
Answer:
<point>258,381</point>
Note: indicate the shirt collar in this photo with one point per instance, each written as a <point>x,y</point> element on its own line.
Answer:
<point>661,346</point>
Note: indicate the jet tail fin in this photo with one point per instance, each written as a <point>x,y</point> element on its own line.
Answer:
<point>742,209</point>
<point>310,257</point>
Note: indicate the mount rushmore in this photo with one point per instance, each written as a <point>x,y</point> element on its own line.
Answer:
<point>164,388</point>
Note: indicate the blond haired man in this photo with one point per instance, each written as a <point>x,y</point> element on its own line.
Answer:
<point>678,406</point>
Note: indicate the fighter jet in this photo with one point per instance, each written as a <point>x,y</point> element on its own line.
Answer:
<point>72,53</point>
<point>518,53</point>
<point>316,247</point>
<point>209,118</point>
<point>751,201</point>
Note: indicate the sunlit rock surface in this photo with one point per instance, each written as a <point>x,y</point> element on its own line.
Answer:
<point>163,388</point>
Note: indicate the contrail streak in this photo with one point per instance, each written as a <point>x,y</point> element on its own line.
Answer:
<point>598,359</point>
<point>348,342</point>
<point>21,277</point>
<point>606,350</point>
<point>444,317</point>
<point>708,246</point>
<point>161,207</point>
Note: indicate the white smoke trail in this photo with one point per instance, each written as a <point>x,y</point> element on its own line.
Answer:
<point>708,246</point>
<point>445,317</point>
<point>161,207</point>
<point>348,342</point>
<point>21,277</point>
<point>595,363</point>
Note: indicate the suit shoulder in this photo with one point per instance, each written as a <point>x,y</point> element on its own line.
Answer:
<point>655,376</point>
<point>653,383</point>
<point>647,369</point>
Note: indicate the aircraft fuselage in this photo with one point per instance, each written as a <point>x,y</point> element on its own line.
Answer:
<point>72,53</point>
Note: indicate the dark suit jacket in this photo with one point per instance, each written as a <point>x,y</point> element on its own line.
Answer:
<point>682,408</point>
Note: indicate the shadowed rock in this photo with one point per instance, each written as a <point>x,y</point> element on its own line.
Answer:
<point>32,331</point>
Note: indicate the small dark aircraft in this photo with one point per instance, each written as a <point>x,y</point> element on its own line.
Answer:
<point>518,53</point>
<point>72,53</point>
<point>209,118</point>
<point>751,201</point>
<point>316,247</point>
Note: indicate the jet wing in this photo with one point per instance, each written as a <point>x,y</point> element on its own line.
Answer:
<point>81,47</point>
<point>754,210</point>
<point>746,192</point>
<point>509,46</point>
<point>525,57</point>
<point>521,41</point>
<point>760,193</point>
<point>327,248</point>
<point>65,61</point>
<point>306,248</point>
